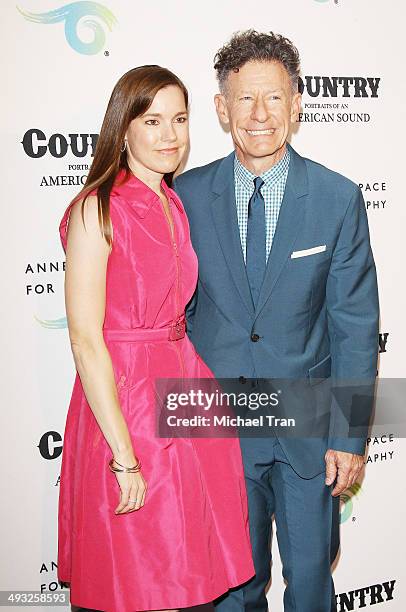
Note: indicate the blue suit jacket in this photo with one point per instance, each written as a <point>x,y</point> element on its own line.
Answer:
<point>317,315</point>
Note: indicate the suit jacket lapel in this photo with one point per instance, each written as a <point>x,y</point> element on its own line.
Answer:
<point>226,223</point>
<point>287,228</point>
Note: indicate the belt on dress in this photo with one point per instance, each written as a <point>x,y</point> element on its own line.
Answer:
<point>176,331</point>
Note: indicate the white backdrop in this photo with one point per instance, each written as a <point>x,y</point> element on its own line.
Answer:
<point>56,82</point>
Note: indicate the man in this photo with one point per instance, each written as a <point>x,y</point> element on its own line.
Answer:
<point>307,308</point>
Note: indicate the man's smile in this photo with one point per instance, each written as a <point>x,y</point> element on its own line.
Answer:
<point>268,132</point>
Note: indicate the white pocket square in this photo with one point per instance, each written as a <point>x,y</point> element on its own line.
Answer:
<point>305,252</point>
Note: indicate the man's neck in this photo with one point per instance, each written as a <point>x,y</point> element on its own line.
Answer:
<point>259,165</point>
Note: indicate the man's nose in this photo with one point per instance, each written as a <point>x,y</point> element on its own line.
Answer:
<point>259,111</point>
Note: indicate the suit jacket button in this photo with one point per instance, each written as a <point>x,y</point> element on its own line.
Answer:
<point>254,337</point>
<point>242,379</point>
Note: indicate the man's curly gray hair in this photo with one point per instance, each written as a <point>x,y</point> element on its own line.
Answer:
<point>251,45</point>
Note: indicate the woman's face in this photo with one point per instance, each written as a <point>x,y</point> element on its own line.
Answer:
<point>157,140</point>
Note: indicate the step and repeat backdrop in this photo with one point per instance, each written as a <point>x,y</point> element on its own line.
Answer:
<point>59,65</point>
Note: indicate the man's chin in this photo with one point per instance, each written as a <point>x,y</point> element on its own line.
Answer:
<point>262,152</point>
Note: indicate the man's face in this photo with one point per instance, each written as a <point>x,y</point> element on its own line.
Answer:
<point>259,106</point>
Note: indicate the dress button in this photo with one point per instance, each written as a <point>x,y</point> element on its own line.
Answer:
<point>254,337</point>
<point>242,379</point>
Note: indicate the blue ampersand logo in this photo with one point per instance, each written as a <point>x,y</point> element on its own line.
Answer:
<point>71,14</point>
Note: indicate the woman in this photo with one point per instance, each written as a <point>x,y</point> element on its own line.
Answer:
<point>178,536</point>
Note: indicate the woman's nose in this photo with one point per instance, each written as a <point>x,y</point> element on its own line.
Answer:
<point>169,133</point>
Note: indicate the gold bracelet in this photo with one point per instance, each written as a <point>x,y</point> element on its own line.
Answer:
<point>133,470</point>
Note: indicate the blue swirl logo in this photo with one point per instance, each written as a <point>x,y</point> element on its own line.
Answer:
<point>346,502</point>
<point>52,323</point>
<point>71,14</point>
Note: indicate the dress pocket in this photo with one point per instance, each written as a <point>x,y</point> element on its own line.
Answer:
<point>121,386</point>
<point>121,382</point>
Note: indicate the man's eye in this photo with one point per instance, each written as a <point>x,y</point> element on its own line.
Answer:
<point>246,98</point>
<point>275,97</point>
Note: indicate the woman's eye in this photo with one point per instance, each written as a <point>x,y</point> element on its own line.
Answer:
<point>152,122</point>
<point>246,98</point>
<point>181,119</point>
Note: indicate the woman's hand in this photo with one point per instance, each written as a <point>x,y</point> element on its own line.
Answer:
<point>133,487</point>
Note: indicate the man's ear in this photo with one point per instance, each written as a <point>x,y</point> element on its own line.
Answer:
<point>295,107</point>
<point>221,108</point>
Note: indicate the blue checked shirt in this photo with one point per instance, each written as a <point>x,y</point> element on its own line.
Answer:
<point>272,191</point>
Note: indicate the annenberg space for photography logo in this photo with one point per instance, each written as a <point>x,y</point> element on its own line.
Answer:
<point>61,323</point>
<point>35,285</point>
<point>74,15</point>
<point>375,194</point>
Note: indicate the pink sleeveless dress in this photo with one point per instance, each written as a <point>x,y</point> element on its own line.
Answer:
<point>190,542</point>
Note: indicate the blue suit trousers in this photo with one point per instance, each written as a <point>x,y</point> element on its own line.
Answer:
<point>307,530</point>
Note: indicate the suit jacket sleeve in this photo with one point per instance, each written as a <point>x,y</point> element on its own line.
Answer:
<point>191,306</point>
<point>353,325</point>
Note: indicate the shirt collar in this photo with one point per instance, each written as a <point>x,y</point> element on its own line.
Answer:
<point>270,177</point>
<point>139,194</point>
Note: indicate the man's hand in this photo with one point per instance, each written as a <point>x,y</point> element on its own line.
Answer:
<point>345,466</point>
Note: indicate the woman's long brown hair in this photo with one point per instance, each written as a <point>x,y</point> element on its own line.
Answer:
<point>132,95</point>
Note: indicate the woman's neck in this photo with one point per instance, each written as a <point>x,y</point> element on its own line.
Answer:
<point>151,179</point>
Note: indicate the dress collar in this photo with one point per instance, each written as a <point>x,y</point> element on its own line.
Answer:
<point>139,194</point>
